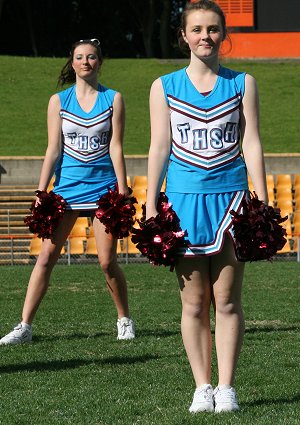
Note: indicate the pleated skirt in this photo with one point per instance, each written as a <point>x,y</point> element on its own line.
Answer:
<point>206,219</point>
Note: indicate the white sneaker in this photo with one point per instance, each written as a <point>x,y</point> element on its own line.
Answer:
<point>126,328</point>
<point>225,399</point>
<point>21,334</point>
<point>203,399</point>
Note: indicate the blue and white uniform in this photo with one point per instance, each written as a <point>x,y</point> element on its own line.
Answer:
<point>85,170</point>
<point>206,175</point>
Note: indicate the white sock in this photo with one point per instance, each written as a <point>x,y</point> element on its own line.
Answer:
<point>25,325</point>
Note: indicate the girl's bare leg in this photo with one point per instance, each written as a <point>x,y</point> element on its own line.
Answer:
<point>227,276</point>
<point>194,281</point>
<point>115,279</point>
<point>40,276</point>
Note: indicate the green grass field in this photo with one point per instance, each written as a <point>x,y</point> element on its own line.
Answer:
<point>76,372</point>
<point>27,83</point>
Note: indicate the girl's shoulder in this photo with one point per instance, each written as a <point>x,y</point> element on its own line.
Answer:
<point>233,78</point>
<point>231,74</point>
<point>66,94</point>
<point>175,75</point>
<point>107,92</point>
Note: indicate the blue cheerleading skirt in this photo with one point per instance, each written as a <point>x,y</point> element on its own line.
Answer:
<point>82,196</point>
<point>81,185</point>
<point>206,219</point>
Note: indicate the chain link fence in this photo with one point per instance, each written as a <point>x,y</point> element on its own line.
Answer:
<point>16,250</point>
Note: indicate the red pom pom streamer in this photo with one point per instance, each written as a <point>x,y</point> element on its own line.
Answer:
<point>46,215</point>
<point>257,230</point>
<point>116,212</point>
<point>160,237</point>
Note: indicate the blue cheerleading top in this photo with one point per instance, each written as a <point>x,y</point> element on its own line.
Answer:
<point>85,170</point>
<point>205,153</point>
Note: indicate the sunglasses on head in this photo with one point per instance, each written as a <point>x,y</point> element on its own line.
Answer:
<point>91,40</point>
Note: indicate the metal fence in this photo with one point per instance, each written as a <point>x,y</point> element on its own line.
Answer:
<point>24,249</point>
<point>17,246</point>
<point>20,250</point>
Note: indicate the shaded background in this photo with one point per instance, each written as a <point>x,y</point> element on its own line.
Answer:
<point>126,28</point>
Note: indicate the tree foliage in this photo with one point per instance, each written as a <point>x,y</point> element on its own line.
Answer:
<point>126,28</point>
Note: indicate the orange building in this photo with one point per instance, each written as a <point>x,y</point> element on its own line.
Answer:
<point>262,28</point>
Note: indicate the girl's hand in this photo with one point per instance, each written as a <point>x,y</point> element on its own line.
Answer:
<point>37,202</point>
<point>125,191</point>
<point>151,212</point>
<point>37,199</point>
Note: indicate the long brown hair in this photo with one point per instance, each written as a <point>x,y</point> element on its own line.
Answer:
<point>198,5</point>
<point>67,74</point>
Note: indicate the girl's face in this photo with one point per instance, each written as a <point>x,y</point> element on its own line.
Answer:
<point>203,33</point>
<point>85,62</point>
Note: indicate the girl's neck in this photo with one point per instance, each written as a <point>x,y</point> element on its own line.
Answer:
<point>203,74</point>
<point>86,87</point>
<point>86,94</point>
<point>199,67</point>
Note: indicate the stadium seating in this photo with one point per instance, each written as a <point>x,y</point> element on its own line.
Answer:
<point>270,187</point>
<point>288,227</point>
<point>250,184</point>
<point>296,244</point>
<point>270,182</point>
<point>130,247</point>
<point>120,245</point>
<point>80,227</point>
<point>286,249</point>
<point>139,181</point>
<point>283,191</point>
<point>90,231</point>
<point>51,184</point>
<point>284,194</point>
<point>283,180</point>
<point>296,229</point>
<point>139,211</point>
<point>296,184</point>
<point>296,218</point>
<point>286,207</point>
<point>271,197</point>
<point>77,245</point>
<point>140,194</point>
<point>91,247</point>
<point>36,245</point>
<point>297,201</point>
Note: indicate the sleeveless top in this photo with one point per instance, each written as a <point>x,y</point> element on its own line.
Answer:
<point>85,170</point>
<point>205,152</point>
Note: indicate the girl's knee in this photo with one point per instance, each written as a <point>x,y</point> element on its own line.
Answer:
<point>226,306</point>
<point>108,265</point>
<point>48,257</point>
<point>46,261</point>
<point>198,309</point>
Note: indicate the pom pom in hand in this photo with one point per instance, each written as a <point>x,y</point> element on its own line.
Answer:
<point>257,230</point>
<point>160,237</point>
<point>116,212</point>
<point>46,214</point>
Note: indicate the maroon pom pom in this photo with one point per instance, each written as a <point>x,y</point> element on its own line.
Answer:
<point>257,230</point>
<point>46,215</point>
<point>116,212</point>
<point>160,237</point>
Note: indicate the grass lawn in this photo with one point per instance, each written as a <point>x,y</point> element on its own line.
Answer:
<point>76,372</point>
<point>27,83</point>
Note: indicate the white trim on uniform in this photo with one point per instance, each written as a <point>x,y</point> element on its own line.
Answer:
<point>216,245</point>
